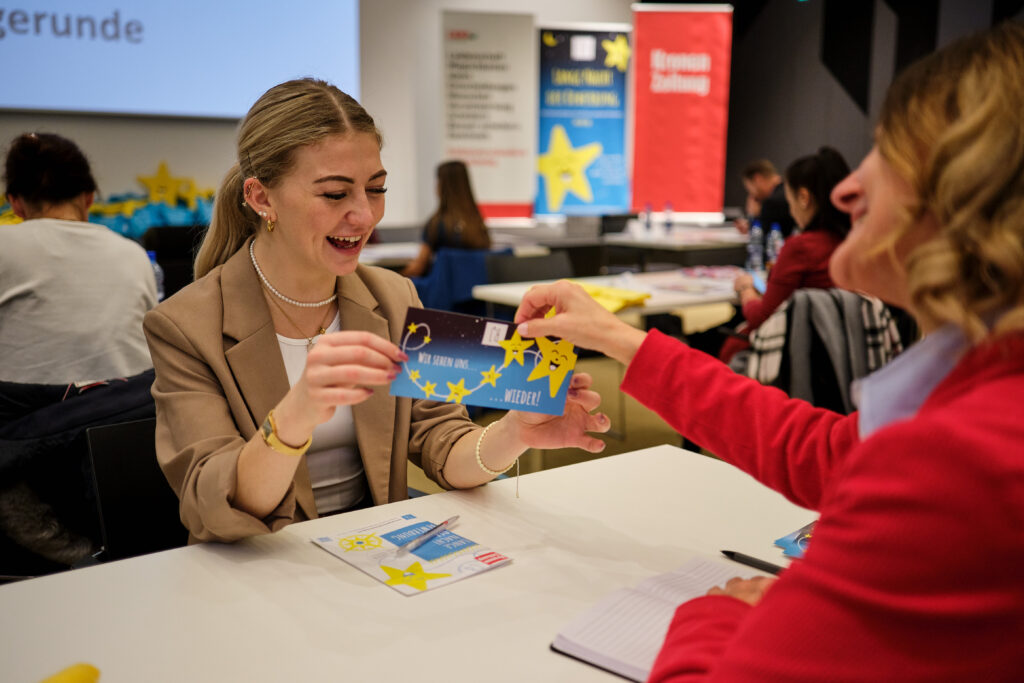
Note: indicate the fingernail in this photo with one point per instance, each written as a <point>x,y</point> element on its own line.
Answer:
<point>523,329</point>
<point>573,393</point>
<point>403,355</point>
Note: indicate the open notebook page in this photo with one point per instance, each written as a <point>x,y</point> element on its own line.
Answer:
<point>623,632</point>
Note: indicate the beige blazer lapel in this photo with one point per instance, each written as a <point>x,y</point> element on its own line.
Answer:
<point>375,417</point>
<point>254,356</point>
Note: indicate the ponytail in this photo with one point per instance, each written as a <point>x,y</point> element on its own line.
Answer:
<point>231,225</point>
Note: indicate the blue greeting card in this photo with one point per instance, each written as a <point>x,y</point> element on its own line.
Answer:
<point>464,359</point>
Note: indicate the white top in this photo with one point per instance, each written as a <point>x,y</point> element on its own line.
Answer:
<point>278,608</point>
<point>335,468</point>
<point>72,298</point>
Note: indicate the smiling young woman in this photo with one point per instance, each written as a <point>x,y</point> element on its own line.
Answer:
<point>272,367</point>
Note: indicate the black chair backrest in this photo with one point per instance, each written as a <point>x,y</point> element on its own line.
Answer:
<point>138,509</point>
<point>511,268</point>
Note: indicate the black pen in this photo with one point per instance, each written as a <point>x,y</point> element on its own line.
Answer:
<point>752,562</point>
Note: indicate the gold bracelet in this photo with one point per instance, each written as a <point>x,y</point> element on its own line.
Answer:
<point>479,460</point>
<point>270,437</point>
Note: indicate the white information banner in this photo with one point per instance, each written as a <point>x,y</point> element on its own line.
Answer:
<point>490,120</point>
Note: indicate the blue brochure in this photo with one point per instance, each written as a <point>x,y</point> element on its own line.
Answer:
<point>464,359</point>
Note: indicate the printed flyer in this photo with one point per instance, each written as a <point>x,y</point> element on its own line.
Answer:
<point>443,559</point>
<point>476,361</point>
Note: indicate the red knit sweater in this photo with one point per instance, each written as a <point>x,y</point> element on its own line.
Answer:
<point>916,569</point>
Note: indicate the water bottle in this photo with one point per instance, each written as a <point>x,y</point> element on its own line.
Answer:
<point>755,247</point>
<point>647,217</point>
<point>668,217</point>
<point>773,246</point>
<point>158,275</point>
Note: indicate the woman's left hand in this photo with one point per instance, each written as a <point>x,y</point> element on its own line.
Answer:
<point>749,591</point>
<point>568,430</point>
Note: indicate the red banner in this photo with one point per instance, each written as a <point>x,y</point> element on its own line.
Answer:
<point>681,101</point>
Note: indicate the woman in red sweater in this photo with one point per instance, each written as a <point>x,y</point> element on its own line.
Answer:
<point>915,569</point>
<point>803,260</point>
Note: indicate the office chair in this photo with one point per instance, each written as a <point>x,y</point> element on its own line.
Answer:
<point>138,509</point>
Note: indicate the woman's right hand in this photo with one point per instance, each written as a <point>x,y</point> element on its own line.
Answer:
<point>341,369</point>
<point>578,319</point>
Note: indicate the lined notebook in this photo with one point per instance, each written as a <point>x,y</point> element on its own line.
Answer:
<point>623,632</point>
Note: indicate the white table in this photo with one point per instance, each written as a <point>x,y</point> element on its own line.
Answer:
<point>389,254</point>
<point>669,290</point>
<point>679,238</point>
<point>277,608</point>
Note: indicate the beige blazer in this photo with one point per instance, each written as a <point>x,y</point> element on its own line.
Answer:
<point>219,371</point>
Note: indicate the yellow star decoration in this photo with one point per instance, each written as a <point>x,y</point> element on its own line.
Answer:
<point>426,339</point>
<point>413,576</point>
<point>490,377</point>
<point>414,375</point>
<point>617,52</point>
<point>557,359</point>
<point>563,168</point>
<point>360,542</point>
<point>428,388</point>
<point>514,348</point>
<point>412,327</point>
<point>162,187</point>
<point>457,391</point>
<point>549,39</point>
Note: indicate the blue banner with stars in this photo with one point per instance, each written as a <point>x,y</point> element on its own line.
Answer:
<point>581,163</point>
<point>465,359</point>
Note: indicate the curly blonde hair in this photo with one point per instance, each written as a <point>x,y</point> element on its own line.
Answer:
<point>953,126</point>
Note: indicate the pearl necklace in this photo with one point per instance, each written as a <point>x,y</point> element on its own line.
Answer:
<point>279,295</point>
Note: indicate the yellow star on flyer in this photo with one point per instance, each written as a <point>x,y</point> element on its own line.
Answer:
<point>162,187</point>
<point>428,388</point>
<point>557,359</point>
<point>514,348</point>
<point>414,375</point>
<point>426,339</point>
<point>616,52</point>
<point>413,576</point>
<point>563,168</point>
<point>360,542</point>
<point>549,39</point>
<point>490,377</point>
<point>458,391</point>
<point>412,327</point>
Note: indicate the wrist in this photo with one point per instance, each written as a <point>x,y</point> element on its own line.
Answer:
<point>292,427</point>
<point>627,342</point>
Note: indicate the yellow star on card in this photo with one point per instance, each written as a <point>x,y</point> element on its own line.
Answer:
<point>557,359</point>
<point>549,39</point>
<point>360,542</point>
<point>426,340</point>
<point>428,388</point>
<point>616,52</point>
<point>413,575</point>
<point>490,377</point>
<point>162,187</point>
<point>563,168</point>
<point>412,327</point>
<point>514,348</point>
<point>414,375</point>
<point>458,391</point>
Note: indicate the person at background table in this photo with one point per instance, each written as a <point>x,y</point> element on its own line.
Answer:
<point>457,223</point>
<point>803,260</point>
<point>766,197</point>
<point>72,293</point>
<point>272,368</point>
<point>914,571</point>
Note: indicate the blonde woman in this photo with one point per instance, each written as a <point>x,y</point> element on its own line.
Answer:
<point>914,571</point>
<point>272,368</point>
<point>457,222</point>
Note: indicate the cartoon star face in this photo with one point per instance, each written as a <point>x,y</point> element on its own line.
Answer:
<point>557,359</point>
<point>514,348</point>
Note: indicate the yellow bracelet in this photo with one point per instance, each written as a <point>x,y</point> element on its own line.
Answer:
<point>270,437</point>
<point>479,460</point>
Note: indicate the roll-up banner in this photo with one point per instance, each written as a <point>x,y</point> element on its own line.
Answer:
<point>490,122</point>
<point>581,163</point>
<point>681,90</point>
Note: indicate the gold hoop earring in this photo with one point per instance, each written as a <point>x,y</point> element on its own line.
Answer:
<point>270,225</point>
